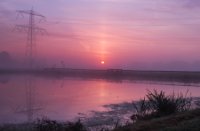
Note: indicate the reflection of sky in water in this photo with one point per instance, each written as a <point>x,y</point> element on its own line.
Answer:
<point>63,99</point>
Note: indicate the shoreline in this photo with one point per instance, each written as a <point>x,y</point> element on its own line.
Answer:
<point>110,74</point>
<point>188,120</point>
<point>116,113</point>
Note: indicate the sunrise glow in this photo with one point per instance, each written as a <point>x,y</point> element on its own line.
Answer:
<point>130,34</point>
<point>102,62</point>
<point>96,59</point>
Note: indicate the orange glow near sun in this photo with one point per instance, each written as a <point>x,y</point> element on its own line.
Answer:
<point>102,62</point>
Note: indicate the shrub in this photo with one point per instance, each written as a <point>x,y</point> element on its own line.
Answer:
<point>45,124</point>
<point>77,126</point>
<point>142,109</point>
<point>159,104</point>
<point>51,125</point>
<point>165,105</point>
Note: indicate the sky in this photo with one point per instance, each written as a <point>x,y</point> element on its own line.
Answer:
<point>127,34</point>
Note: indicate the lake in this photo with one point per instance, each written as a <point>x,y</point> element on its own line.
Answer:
<point>25,98</point>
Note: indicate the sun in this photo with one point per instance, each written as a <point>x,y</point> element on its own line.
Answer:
<point>102,62</point>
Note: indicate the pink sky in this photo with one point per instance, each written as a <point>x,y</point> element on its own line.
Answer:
<point>130,34</point>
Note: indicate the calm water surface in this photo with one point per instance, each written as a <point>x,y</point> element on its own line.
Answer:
<point>25,98</point>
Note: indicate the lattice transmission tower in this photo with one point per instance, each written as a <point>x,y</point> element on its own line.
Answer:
<point>31,29</point>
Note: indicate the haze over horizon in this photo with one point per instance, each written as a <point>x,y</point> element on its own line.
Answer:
<point>128,34</point>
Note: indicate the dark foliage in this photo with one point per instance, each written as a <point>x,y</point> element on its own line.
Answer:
<point>50,125</point>
<point>159,104</point>
<point>77,126</point>
<point>165,105</point>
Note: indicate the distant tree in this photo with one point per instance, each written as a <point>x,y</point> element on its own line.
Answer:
<point>5,59</point>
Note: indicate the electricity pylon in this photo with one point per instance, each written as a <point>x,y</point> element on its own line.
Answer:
<point>31,29</point>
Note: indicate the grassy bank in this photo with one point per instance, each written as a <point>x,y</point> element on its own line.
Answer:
<point>161,112</point>
<point>184,121</point>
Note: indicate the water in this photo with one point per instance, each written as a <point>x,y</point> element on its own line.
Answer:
<point>25,98</point>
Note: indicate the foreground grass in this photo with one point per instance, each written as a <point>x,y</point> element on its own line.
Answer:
<point>185,121</point>
<point>45,125</point>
